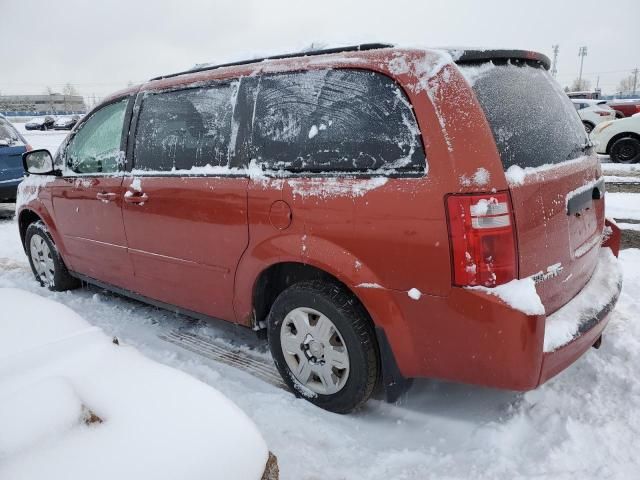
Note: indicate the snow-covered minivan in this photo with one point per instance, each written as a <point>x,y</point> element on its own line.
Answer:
<point>384,213</point>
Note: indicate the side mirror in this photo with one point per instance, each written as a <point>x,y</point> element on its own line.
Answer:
<point>38,162</point>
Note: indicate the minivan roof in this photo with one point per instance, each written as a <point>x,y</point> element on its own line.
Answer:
<point>466,55</point>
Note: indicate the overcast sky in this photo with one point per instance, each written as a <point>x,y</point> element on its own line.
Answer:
<point>99,46</point>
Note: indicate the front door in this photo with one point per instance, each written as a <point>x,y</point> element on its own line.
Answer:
<point>185,213</point>
<point>87,199</point>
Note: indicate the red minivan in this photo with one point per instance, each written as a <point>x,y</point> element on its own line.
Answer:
<point>384,213</point>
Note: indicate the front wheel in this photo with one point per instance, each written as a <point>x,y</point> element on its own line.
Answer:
<point>625,150</point>
<point>45,260</point>
<point>323,345</point>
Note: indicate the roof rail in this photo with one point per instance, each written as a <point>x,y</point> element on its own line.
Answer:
<point>308,53</point>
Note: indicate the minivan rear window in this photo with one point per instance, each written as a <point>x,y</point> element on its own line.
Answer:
<point>337,120</point>
<point>533,121</point>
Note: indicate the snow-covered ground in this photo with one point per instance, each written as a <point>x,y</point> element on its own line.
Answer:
<point>585,423</point>
<point>74,405</point>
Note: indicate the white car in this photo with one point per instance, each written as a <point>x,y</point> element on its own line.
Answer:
<point>593,112</point>
<point>619,138</point>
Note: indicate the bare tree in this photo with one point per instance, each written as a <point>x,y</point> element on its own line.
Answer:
<point>48,90</point>
<point>580,85</point>
<point>626,84</point>
<point>69,89</point>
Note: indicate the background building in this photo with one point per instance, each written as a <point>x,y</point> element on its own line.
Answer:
<point>30,105</point>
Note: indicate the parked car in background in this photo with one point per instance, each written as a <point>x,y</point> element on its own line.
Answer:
<point>346,203</point>
<point>585,94</point>
<point>593,112</point>
<point>66,123</point>
<point>620,139</point>
<point>625,108</point>
<point>12,146</point>
<point>40,123</point>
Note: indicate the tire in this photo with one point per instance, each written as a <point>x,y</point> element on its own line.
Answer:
<point>588,126</point>
<point>45,260</point>
<point>346,381</point>
<point>625,150</point>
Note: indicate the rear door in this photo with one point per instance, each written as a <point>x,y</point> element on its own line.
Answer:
<point>87,199</point>
<point>185,211</point>
<point>553,173</point>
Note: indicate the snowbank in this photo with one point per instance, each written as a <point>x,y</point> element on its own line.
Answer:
<point>73,405</point>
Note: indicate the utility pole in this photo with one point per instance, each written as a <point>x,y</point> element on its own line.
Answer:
<point>635,80</point>
<point>554,67</point>
<point>582,52</point>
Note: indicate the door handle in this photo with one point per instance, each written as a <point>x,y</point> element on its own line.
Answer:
<point>137,197</point>
<point>106,196</point>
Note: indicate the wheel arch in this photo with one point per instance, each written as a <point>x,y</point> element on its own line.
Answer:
<point>25,218</point>
<point>274,279</point>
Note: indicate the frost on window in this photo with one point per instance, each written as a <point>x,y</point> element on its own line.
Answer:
<point>335,120</point>
<point>96,147</point>
<point>188,128</point>
<point>533,121</point>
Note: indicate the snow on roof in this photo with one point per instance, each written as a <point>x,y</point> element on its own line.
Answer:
<point>75,406</point>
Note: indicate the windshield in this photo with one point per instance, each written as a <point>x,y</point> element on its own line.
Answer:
<point>533,121</point>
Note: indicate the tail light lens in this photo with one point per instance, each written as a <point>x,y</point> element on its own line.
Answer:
<point>603,113</point>
<point>482,239</point>
<point>28,147</point>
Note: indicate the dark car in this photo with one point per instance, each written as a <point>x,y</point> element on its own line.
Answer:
<point>66,123</point>
<point>12,146</point>
<point>40,123</point>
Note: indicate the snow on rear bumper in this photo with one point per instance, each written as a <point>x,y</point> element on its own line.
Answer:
<point>587,309</point>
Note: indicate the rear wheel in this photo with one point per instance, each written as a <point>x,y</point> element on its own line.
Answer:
<point>45,260</point>
<point>588,126</point>
<point>625,150</point>
<point>324,346</point>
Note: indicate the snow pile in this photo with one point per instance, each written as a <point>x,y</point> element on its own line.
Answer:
<point>73,405</point>
<point>565,324</point>
<point>517,175</point>
<point>519,294</point>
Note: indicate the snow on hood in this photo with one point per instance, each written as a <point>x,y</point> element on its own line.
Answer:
<point>75,406</point>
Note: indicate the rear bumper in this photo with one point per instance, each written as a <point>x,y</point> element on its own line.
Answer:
<point>473,337</point>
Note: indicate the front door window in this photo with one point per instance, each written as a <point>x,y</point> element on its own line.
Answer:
<point>96,147</point>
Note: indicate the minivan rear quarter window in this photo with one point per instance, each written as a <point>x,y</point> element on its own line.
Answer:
<point>182,129</point>
<point>335,120</point>
<point>533,122</point>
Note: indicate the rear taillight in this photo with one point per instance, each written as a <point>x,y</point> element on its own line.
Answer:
<point>603,113</point>
<point>28,147</point>
<point>482,239</point>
